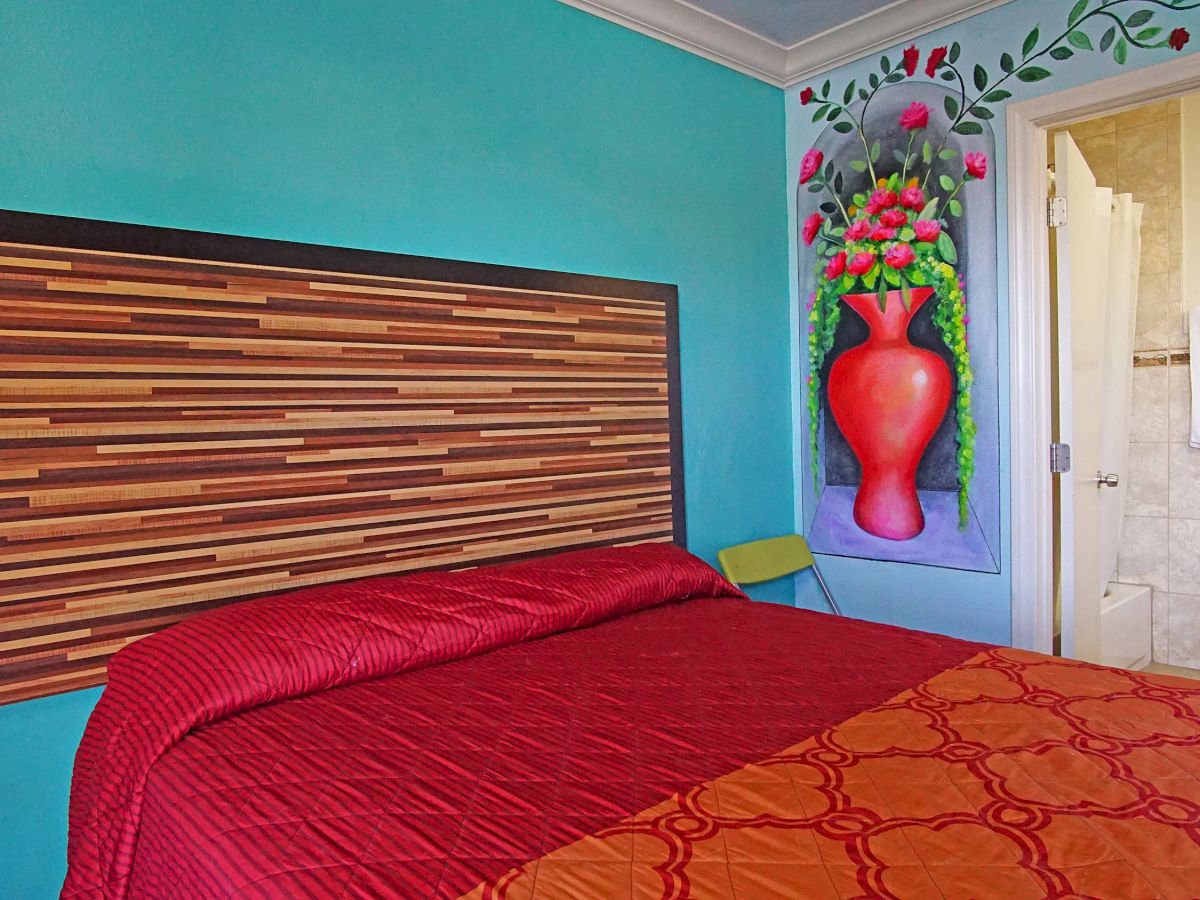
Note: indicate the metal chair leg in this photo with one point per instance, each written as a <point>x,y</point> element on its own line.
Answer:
<point>828,596</point>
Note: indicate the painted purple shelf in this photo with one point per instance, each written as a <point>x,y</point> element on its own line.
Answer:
<point>941,544</point>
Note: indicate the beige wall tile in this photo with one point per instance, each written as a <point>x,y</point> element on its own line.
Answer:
<point>1143,161</point>
<point>1142,558</point>
<point>1149,413</point>
<point>1148,468</point>
<point>1152,312</point>
<point>1184,474</point>
<point>1160,635</point>
<point>1179,411</point>
<point>1183,630</point>
<point>1183,575</point>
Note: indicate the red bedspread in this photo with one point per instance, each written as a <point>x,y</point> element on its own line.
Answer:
<point>416,736</point>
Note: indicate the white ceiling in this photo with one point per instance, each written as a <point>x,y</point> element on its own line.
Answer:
<point>788,22</point>
<point>783,42</point>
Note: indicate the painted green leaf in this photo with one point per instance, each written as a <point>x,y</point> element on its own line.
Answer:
<point>1031,40</point>
<point>1080,41</point>
<point>951,106</point>
<point>826,87</point>
<point>1033,73</point>
<point>898,75</point>
<point>981,77</point>
<point>819,114</point>
<point>906,234</point>
<point>875,149</point>
<point>947,75</point>
<point>955,207</point>
<point>982,112</point>
<point>1061,53</point>
<point>858,165</point>
<point>828,170</point>
<point>930,210</point>
<point>891,276</point>
<point>873,80</point>
<point>946,248</point>
<point>968,128</point>
<point>1106,39</point>
<point>1006,63</point>
<point>1121,51</point>
<point>860,200</point>
<point>838,183</point>
<point>905,293</point>
<point>862,94</point>
<point>996,96</point>
<point>814,187</point>
<point>871,276</point>
<point>885,64</point>
<point>1076,11</point>
<point>899,156</point>
<point>948,153</point>
<point>843,127</point>
<point>848,94</point>
<point>882,295</point>
<point>829,207</point>
<point>955,52</point>
<point>946,182</point>
<point>1147,34</point>
<point>926,153</point>
<point>1139,18</point>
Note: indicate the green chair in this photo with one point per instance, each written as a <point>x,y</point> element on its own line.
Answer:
<point>769,559</point>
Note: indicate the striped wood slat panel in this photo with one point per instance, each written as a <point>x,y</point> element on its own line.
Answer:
<point>176,434</point>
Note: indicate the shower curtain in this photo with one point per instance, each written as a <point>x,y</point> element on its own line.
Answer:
<point>1119,308</point>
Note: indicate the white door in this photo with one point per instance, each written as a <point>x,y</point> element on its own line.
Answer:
<point>1082,246</point>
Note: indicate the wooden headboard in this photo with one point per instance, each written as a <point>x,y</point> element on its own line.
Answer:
<point>189,419</point>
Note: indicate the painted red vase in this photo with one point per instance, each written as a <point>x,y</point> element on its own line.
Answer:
<point>888,397</point>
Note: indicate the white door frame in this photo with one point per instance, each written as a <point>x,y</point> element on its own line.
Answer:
<point>1032,522</point>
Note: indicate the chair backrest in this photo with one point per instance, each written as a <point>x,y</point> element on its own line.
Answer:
<point>765,560</point>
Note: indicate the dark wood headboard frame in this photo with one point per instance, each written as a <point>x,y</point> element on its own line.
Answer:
<point>41,656</point>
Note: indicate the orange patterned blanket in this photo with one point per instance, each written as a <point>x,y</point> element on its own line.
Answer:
<point>1011,775</point>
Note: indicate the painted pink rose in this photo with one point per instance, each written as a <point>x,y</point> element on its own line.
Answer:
<point>858,230</point>
<point>976,164</point>
<point>836,266</point>
<point>1178,39</point>
<point>937,56</point>
<point>810,164</point>
<point>860,263</point>
<point>912,198</point>
<point>915,115</point>
<point>811,226</point>
<point>806,96</point>
<point>880,200</point>
<point>927,230</point>
<point>893,218</point>
<point>883,233</point>
<point>899,256</point>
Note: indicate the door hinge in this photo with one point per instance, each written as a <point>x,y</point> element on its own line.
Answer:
<point>1056,212</point>
<point>1060,458</point>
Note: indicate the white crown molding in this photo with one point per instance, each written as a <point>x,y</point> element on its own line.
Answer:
<point>874,32</point>
<point>682,25</point>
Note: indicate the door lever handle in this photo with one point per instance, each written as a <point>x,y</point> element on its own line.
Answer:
<point>1109,480</point>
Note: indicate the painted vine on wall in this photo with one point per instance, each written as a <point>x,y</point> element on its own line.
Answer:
<point>894,238</point>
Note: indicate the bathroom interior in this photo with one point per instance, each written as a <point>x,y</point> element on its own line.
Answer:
<point>1147,161</point>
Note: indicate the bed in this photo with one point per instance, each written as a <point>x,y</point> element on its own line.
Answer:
<point>619,722</point>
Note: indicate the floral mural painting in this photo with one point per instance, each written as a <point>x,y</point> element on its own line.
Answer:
<point>891,198</point>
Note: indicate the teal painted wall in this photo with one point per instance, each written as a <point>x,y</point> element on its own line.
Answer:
<point>521,132</point>
<point>967,604</point>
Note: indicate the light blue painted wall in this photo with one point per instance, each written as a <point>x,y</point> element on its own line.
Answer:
<point>521,132</point>
<point>967,604</point>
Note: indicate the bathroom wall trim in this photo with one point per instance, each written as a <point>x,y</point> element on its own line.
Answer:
<point>1029,321</point>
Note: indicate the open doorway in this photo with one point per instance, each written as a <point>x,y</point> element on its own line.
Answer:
<point>1059,595</point>
<point>1124,551</point>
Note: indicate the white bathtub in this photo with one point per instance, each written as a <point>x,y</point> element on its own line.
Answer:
<point>1126,626</point>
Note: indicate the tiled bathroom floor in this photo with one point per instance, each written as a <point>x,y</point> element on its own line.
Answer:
<point>1177,671</point>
